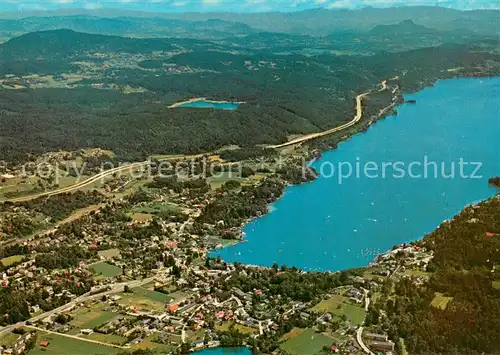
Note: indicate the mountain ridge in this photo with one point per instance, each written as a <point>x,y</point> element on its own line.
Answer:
<point>317,22</point>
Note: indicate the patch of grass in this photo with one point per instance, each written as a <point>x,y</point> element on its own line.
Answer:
<point>171,338</point>
<point>141,217</point>
<point>354,314</point>
<point>152,295</point>
<point>8,339</point>
<point>306,343</point>
<point>440,301</point>
<point>135,300</point>
<point>110,253</point>
<point>12,260</point>
<point>194,335</point>
<point>330,305</point>
<point>106,270</point>
<point>179,296</point>
<point>244,329</point>
<point>106,338</point>
<point>338,338</point>
<point>221,178</point>
<point>60,345</point>
<point>156,347</point>
<point>89,318</point>
<point>292,334</point>
<point>496,284</point>
<point>224,327</point>
<point>403,346</point>
<point>340,305</point>
<point>376,296</point>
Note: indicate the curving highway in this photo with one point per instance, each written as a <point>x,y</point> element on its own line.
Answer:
<point>93,179</point>
<point>104,174</point>
<point>308,137</point>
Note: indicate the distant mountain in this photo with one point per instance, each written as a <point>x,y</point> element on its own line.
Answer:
<point>407,27</point>
<point>319,22</point>
<point>126,26</point>
<point>68,42</point>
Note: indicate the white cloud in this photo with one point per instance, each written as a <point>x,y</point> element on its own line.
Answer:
<point>179,3</point>
<point>340,4</point>
<point>62,2</point>
<point>92,6</point>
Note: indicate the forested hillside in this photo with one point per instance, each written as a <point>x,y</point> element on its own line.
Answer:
<point>120,90</point>
<point>465,267</point>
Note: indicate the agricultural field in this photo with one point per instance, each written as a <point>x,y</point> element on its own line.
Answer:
<point>330,305</point>
<point>292,334</point>
<point>221,178</point>
<point>61,345</point>
<point>177,296</point>
<point>89,318</point>
<point>8,339</point>
<point>152,295</point>
<point>194,335</point>
<point>245,330</point>
<point>354,314</point>
<point>440,301</point>
<point>307,342</point>
<point>171,338</point>
<point>140,302</point>
<point>341,306</point>
<point>156,347</point>
<point>106,270</point>
<point>12,260</point>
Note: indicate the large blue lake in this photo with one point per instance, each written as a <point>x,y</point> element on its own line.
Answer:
<point>211,104</point>
<point>327,225</point>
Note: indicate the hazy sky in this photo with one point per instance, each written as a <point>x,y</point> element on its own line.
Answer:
<point>234,5</point>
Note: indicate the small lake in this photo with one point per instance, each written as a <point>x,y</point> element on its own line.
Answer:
<point>334,224</point>
<point>211,104</point>
<point>225,351</point>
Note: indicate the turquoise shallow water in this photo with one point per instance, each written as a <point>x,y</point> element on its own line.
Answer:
<point>327,225</point>
<point>225,351</point>
<point>216,105</point>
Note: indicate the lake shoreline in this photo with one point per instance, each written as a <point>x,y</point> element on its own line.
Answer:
<point>362,127</point>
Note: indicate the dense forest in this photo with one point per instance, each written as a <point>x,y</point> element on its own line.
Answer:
<point>465,267</point>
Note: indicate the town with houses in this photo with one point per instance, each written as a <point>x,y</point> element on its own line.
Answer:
<point>127,267</point>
